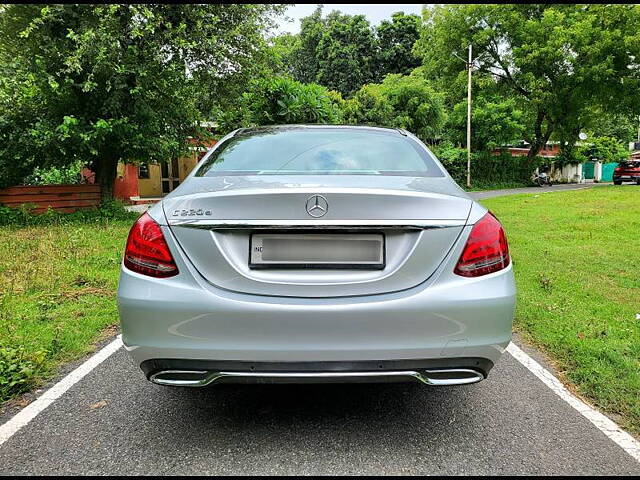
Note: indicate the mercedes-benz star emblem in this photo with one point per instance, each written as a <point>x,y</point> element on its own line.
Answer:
<point>317,206</point>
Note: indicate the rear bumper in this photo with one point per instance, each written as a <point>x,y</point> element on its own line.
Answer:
<point>447,319</point>
<point>626,178</point>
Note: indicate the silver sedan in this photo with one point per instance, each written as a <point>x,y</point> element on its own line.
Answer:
<point>317,254</point>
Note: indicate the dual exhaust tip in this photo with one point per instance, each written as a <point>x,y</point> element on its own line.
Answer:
<point>201,378</point>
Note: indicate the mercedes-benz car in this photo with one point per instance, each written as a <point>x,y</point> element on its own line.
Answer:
<point>309,253</point>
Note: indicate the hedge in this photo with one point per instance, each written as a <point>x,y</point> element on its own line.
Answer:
<point>487,170</point>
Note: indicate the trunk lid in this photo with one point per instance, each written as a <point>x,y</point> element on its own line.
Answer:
<point>213,219</point>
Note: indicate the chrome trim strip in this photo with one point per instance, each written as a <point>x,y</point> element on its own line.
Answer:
<point>313,224</point>
<point>453,376</point>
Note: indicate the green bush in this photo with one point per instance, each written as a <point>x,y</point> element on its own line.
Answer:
<point>55,175</point>
<point>487,170</point>
<point>401,101</point>
<point>18,371</point>
<point>605,149</point>
<point>24,215</point>
<point>454,159</point>
<point>281,100</point>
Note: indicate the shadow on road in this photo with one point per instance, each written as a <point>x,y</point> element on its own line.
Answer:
<point>381,414</point>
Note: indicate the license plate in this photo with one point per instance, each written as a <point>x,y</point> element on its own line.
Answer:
<point>314,250</point>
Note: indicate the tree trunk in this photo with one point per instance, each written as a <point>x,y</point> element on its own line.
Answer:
<point>534,149</point>
<point>106,169</point>
<point>540,139</point>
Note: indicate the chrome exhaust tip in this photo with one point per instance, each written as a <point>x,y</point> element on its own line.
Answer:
<point>451,376</point>
<point>182,378</point>
<point>201,378</point>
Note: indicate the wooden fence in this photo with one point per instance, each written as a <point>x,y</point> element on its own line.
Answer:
<point>63,198</point>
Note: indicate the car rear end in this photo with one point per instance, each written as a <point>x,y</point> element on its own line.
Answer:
<point>627,172</point>
<point>314,277</point>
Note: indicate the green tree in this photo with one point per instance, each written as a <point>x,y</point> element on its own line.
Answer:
<point>304,61</point>
<point>344,52</point>
<point>281,100</point>
<point>559,61</point>
<point>347,53</point>
<point>396,38</point>
<point>617,125</point>
<point>496,122</point>
<point>402,101</point>
<point>338,51</point>
<point>117,82</point>
<point>369,106</point>
<point>281,58</point>
<point>605,149</point>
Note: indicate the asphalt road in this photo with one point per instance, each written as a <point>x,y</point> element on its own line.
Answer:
<point>114,422</point>
<point>509,424</point>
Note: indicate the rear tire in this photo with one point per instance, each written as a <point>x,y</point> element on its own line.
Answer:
<point>617,182</point>
<point>637,181</point>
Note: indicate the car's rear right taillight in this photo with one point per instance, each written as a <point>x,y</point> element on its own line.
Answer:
<point>147,251</point>
<point>486,250</point>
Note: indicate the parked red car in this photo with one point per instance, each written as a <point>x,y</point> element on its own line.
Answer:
<point>627,172</point>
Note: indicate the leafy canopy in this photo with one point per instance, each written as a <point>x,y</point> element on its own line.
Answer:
<point>604,149</point>
<point>272,101</point>
<point>402,101</point>
<point>558,61</point>
<point>396,38</point>
<point>117,82</point>
<point>344,52</point>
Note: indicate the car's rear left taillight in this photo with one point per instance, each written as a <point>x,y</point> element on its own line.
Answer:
<point>147,251</point>
<point>486,250</point>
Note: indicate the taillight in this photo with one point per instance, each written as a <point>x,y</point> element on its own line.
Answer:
<point>486,250</point>
<point>147,251</point>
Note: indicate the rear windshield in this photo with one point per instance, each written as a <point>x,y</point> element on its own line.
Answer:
<point>319,151</point>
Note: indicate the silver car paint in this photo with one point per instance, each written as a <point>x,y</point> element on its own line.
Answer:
<point>440,315</point>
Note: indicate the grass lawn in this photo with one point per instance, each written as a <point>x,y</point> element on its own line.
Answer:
<point>57,296</point>
<point>577,267</point>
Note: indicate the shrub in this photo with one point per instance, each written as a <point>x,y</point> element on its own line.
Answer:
<point>18,371</point>
<point>284,101</point>
<point>605,149</point>
<point>487,170</point>
<point>55,175</point>
<point>454,159</point>
<point>401,101</point>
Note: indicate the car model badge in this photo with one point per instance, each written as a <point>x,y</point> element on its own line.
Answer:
<point>191,212</point>
<point>317,206</point>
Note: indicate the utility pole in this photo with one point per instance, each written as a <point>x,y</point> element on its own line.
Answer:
<point>469,67</point>
<point>469,64</point>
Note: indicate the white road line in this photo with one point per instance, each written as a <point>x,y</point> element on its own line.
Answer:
<point>601,422</point>
<point>32,410</point>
